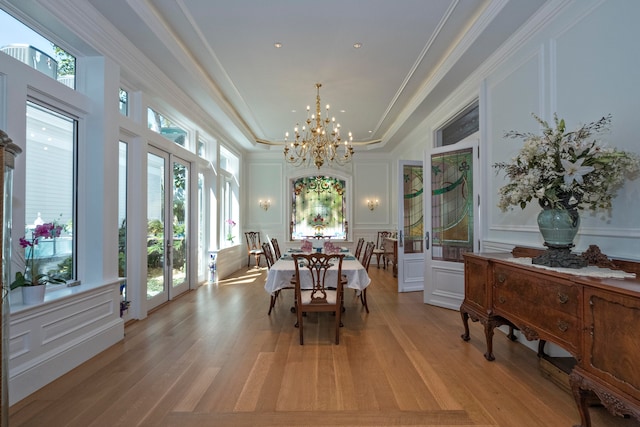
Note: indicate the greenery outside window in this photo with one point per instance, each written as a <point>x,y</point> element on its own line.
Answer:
<point>165,127</point>
<point>318,206</point>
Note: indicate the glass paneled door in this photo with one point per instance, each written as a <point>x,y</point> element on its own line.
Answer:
<point>411,235</point>
<point>453,220</point>
<point>167,227</point>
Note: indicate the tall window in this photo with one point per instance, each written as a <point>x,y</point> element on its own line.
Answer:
<point>122,220</point>
<point>229,200</point>
<point>50,186</point>
<point>318,208</point>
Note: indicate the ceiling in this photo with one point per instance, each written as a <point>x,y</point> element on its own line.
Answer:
<point>221,53</point>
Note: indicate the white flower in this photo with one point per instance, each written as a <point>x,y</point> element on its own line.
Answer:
<point>575,171</point>
<point>551,168</point>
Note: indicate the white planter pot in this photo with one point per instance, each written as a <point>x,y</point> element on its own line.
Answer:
<point>33,294</point>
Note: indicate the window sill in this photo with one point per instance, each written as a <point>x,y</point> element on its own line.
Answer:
<point>54,293</point>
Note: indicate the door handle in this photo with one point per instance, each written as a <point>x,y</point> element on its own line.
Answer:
<point>426,240</point>
<point>400,239</point>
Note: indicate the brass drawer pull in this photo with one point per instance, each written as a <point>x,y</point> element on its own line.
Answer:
<point>501,278</point>
<point>502,299</point>
<point>563,298</point>
<point>563,326</point>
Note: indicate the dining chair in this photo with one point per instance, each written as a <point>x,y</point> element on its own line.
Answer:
<point>276,248</point>
<point>378,251</point>
<point>359,246</point>
<point>254,247</point>
<point>366,260</point>
<point>318,294</point>
<point>268,256</point>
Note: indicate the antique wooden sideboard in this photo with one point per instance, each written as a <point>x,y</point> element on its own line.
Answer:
<point>594,319</point>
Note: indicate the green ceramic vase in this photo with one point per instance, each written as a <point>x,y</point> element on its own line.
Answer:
<point>559,226</point>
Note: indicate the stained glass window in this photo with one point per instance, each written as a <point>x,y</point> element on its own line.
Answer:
<point>318,208</point>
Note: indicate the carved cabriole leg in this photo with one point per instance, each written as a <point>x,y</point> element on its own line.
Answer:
<point>489,326</point>
<point>580,395</point>
<point>465,322</point>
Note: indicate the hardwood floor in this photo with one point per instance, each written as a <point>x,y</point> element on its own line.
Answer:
<point>214,358</point>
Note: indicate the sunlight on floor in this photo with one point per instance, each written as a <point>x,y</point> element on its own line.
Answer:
<point>251,276</point>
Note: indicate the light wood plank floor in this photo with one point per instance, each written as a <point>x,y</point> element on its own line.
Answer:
<point>214,358</point>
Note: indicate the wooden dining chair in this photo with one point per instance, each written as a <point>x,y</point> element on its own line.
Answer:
<point>268,256</point>
<point>359,246</point>
<point>378,251</point>
<point>254,247</point>
<point>366,260</point>
<point>318,294</point>
<point>276,248</point>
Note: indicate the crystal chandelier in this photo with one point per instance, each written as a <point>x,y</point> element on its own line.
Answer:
<point>319,141</point>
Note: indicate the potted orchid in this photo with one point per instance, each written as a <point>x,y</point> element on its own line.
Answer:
<point>230,223</point>
<point>31,280</point>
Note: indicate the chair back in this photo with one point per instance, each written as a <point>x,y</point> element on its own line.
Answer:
<point>381,236</point>
<point>368,252</point>
<point>321,283</point>
<point>268,255</point>
<point>276,248</point>
<point>359,247</point>
<point>253,240</point>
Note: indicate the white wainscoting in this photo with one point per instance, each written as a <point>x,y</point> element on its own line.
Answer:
<point>230,260</point>
<point>49,339</point>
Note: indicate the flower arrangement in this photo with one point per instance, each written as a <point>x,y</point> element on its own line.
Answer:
<point>30,276</point>
<point>565,170</point>
<point>231,223</point>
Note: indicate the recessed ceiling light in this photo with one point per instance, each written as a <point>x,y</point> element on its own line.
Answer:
<point>357,45</point>
<point>278,45</point>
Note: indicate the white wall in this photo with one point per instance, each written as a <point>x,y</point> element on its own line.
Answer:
<point>584,65</point>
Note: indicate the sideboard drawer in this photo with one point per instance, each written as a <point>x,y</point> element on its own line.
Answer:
<point>531,299</point>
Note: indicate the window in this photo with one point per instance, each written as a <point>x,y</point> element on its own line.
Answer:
<point>50,186</point>
<point>201,148</point>
<point>165,127</point>
<point>229,205</point>
<point>318,208</point>
<point>124,102</point>
<point>122,222</point>
<point>25,45</point>
<point>464,124</point>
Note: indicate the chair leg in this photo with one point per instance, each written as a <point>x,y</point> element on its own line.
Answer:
<point>274,297</point>
<point>363,298</point>
<point>299,325</point>
<point>338,325</point>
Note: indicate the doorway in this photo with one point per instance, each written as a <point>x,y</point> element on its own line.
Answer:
<point>167,227</point>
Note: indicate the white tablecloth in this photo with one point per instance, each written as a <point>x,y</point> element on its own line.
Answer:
<point>279,276</point>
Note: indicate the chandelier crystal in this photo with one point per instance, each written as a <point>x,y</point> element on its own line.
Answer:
<point>319,141</point>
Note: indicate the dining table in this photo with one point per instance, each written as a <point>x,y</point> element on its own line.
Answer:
<point>280,274</point>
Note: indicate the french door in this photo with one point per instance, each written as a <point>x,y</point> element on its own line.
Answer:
<point>167,227</point>
<point>411,233</point>
<point>452,221</point>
